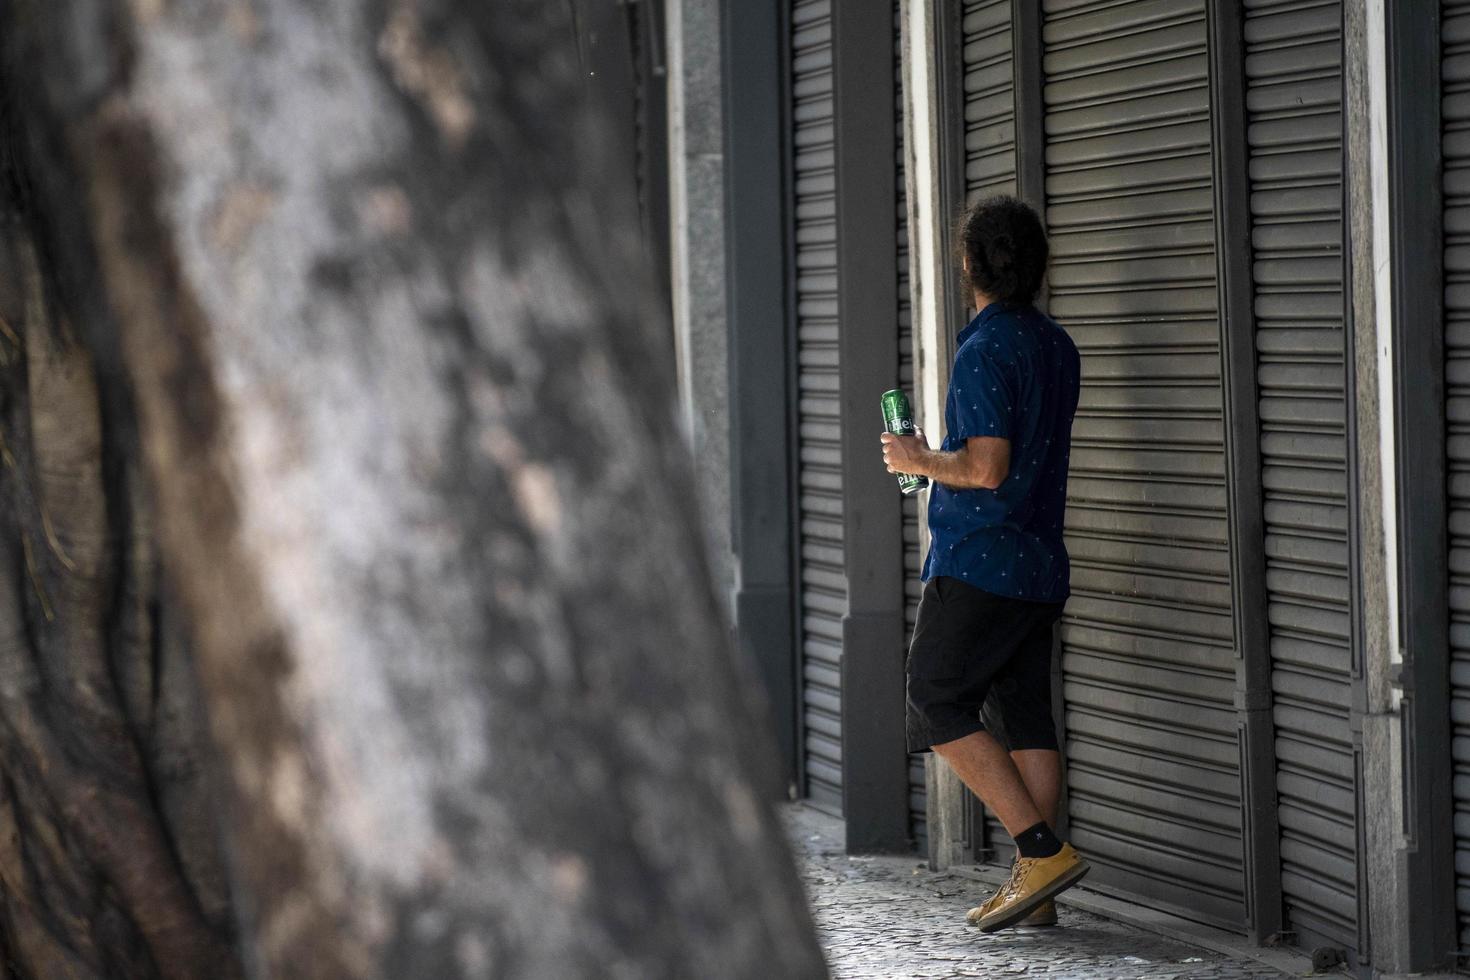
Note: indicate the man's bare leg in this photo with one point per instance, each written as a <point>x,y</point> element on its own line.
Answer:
<point>985,766</point>
<point>1021,788</point>
<point>1041,771</point>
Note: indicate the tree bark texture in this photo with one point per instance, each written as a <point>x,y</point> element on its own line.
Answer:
<point>374,274</point>
<point>109,859</point>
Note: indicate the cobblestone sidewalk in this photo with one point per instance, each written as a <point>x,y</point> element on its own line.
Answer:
<point>891,918</point>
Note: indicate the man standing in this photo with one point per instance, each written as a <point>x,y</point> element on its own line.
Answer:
<point>997,573</point>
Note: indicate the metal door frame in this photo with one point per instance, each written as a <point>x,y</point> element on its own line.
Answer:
<point>1256,732</point>
<point>1417,262</point>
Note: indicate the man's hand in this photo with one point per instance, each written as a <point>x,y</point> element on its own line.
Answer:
<point>982,463</point>
<point>905,454</point>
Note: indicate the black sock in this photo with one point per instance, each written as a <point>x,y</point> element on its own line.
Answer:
<point>1037,842</point>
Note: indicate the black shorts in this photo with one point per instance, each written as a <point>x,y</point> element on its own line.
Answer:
<point>969,645</point>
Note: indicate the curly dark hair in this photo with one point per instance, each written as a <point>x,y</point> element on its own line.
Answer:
<point>1005,245</point>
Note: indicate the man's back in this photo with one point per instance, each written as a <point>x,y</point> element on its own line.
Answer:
<point>1016,377</point>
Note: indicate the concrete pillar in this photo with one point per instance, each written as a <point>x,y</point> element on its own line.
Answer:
<point>697,219</point>
<point>762,525</point>
<point>1372,458</point>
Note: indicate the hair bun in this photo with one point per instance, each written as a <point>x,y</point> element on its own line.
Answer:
<point>1001,251</point>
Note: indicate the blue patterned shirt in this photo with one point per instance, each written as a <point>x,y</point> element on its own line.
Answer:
<point>1016,376</point>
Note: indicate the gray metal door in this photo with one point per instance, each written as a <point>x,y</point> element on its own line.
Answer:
<point>1293,78</point>
<point>822,590</point>
<point>1148,662</point>
<point>987,87</point>
<point>1455,110</point>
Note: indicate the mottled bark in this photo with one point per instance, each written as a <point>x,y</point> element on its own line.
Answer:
<point>109,860</point>
<point>407,403</point>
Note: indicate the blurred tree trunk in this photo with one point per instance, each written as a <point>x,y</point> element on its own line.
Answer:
<point>371,271</point>
<point>108,845</point>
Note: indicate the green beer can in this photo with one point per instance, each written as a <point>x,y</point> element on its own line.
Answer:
<point>898,418</point>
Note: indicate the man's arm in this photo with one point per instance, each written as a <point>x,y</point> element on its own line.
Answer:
<point>982,464</point>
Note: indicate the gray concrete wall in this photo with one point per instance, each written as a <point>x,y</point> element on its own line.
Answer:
<point>1381,866</point>
<point>697,215</point>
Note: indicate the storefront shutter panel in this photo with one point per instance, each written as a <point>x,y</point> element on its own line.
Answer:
<point>1148,646</point>
<point>822,590</point>
<point>1455,110</point>
<point>989,98</point>
<point>1293,106</point>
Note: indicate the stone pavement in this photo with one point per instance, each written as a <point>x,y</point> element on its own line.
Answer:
<point>891,918</point>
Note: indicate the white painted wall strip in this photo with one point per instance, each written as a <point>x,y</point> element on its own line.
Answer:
<point>926,228</point>
<point>1383,307</point>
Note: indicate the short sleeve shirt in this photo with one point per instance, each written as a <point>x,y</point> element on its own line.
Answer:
<point>1016,376</point>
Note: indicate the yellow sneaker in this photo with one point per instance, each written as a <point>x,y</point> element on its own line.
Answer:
<point>1045,916</point>
<point>1033,882</point>
<point>980,911</point>
<point>977,913</point>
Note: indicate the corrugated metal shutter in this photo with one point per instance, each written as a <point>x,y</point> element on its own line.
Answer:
<point>990,110</point>
<point>1455,108</point>
<point>1293,103</point>
<point>912,560</point>
<point>988,85</point>
<point>1148,662</point>
<point>823,585</point>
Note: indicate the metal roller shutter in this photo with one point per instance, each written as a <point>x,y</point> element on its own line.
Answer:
<point>1293,104</point>
<point>912,560</point>
<point>1148,662</point>
<point>823,586</point>
<point>988,86</point>
<point>1455,109</point>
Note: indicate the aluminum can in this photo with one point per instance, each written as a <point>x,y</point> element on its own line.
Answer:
<point>898,418</point>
